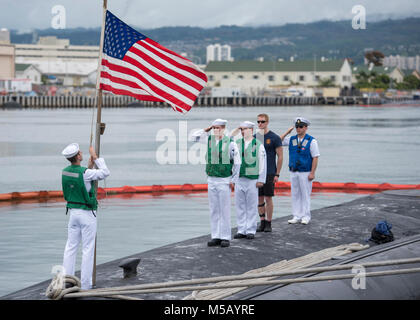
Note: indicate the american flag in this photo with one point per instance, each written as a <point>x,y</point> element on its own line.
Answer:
<point>137,66</point>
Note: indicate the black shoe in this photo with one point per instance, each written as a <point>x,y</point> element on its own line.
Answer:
<point>224,243</point>
<point>267,227</point>
<point>261,226</point>
<point>239,236</point>
<point>214,242</point>
<point>250,236</point>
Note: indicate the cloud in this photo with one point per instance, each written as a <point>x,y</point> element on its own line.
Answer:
<point>29,14</point>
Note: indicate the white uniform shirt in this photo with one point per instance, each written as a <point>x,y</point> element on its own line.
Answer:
<point>202,137</point>
<point>96,174</point>
<point>313,148</point>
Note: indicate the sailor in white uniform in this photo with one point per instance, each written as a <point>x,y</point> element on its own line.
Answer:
<point>252,176</point>
<point>81,200</point>
<point>303,161</point>
<point>222,167</point>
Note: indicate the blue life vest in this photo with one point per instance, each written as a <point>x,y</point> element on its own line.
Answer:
<point>300,158</point>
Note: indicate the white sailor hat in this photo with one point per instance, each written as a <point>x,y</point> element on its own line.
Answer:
<point>247,124</point>
<point>219,122</point>
<point>71,150</point>
<point>300,120</point>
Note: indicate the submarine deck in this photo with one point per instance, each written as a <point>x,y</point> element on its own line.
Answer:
<point>330,226</point>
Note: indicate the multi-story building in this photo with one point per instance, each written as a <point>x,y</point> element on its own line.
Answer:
<point>7,56</point>
<point>402,62</point>
<point>71,65</point>
<point>51,48</point>
<point>217,52</point>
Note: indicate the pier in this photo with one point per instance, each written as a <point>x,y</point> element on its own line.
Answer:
<point>114,101</point>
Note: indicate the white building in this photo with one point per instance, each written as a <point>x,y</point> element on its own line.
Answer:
<point>217,52</point>
<point>28,71</point>
<point>51,48</point>
<point>7,61</point>
<point>252,77</point>
<point>70,65</point>
<point>393,72</point>
<point>4,36</point>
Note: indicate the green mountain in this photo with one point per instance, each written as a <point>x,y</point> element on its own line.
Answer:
<point>331,39</point>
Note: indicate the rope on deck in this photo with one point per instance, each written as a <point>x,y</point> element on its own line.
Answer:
<point>232,284</point>
<point>285,265</point>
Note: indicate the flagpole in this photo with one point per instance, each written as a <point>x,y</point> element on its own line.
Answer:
<point>99,126</point>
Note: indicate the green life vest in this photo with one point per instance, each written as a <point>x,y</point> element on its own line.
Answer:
<point>219,163</point>
<point>250,160</point>
<point>74,189</point>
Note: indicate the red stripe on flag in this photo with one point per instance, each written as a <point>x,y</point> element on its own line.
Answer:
<point>165,69</point>
<point>153,88</point>
<point>125,82</point>
<point>127,93</point>
<point>165,49</point>
<point>144,43</point>
<point>159,78</point>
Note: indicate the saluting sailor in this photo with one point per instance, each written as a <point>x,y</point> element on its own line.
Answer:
<point>78,190</point>
<point>252,176</point>
<point>222,167</point>
<point>303,161</point>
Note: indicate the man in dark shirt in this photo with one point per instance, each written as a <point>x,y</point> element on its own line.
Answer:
<point>272,144</point>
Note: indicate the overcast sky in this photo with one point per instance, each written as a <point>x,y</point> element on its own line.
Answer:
<point>26,15</point>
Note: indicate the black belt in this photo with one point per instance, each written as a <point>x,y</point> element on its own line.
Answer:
<point>82,203</point>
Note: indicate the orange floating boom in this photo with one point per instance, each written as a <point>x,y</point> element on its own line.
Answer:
<point>281,185</point>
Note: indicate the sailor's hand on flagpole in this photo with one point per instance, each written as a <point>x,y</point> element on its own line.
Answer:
<point>92,153</point>
<point>91,163</point>
<point>232,186</point>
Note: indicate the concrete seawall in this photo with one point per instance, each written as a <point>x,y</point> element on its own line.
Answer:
<point>56,102</point>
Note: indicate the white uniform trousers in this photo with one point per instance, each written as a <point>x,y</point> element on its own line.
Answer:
<point>219,203</point>
<point>246,203</point>
<point>301,189</point>
<point>82,226</point>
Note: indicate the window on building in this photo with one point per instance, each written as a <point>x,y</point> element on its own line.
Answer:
<point>240,76</point>
<point>286,78</point>
<point>256,77</point>
<point>332,78</point>
<point>301,78</point>
<point>271,78</point>
<point>211,78</point>
<point>317,78</point>
<point>225,76</point>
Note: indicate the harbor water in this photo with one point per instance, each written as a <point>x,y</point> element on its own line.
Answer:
<point>357,144</point>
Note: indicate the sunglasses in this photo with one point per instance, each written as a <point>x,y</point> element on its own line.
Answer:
<point>300,126</point>
<point>261,121</point>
